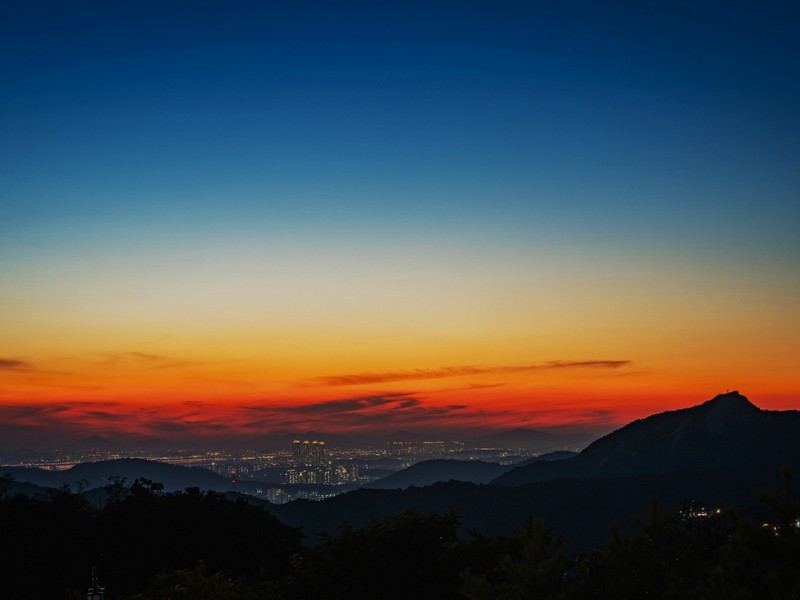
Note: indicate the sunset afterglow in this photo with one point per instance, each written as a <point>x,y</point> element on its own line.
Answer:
<point>274,218</point>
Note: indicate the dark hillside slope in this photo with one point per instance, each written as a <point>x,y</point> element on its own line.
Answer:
<point>429,472</point>
<point>726,432</point>
<point>579,510</point>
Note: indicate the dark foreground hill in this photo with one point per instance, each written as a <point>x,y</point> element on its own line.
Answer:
<point>52,543</point>
<point>581,511</point>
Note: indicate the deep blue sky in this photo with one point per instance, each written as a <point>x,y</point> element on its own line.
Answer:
<point>334,108</point>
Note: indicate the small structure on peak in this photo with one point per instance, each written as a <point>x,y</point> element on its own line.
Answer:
<point>730,400</point>
<point>96,591</point>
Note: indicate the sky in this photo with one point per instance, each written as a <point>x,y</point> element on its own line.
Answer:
<point>244,218</point>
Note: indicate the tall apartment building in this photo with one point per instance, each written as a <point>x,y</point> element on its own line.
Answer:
<point>432,448</point>
<point>308,453</point>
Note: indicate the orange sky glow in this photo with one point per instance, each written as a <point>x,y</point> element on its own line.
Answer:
<point>374,217</point>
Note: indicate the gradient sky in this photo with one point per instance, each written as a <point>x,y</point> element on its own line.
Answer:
<point>239,218</point>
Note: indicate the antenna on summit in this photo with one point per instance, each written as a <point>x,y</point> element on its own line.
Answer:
<point>96,591</point>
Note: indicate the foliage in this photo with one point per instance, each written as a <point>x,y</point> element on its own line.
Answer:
<point>404,556</point>
<point>704,555</point>
<point>54,541</point>
<point>6,479</point>
<point>191,545</point>
<point>535,569</point>
<point>191,584</point>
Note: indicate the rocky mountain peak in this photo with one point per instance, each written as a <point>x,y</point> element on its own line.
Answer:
<point>728,412</point>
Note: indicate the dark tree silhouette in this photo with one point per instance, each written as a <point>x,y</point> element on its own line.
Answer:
<point>407,555</point>
<point>786,508</point>
<point>535,569</point>
<point>6,479</point>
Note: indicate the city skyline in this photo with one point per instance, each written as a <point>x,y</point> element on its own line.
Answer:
<point>359,218</point>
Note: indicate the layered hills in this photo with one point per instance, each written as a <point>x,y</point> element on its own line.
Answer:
<point>98,474</point>
<point>721,452</point>
<point>428,472</point>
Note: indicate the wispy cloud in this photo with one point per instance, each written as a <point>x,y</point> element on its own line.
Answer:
<point>20,412</point>
<point>146,357</point>
<point>384,410</point>
<point>58,415</point>
<point>13,364</point>
<point>23,366</point>
<point>25,423</point>
<point>146,360</point>
<point>341,405</point>
<point>459,371</point>
<point>101,415</point>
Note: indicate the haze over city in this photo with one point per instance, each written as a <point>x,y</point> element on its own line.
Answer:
<point>354,218</point>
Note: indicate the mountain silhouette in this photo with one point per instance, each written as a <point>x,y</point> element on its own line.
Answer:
<point>429,472</point>
<point>98,474</point>
<point>721,452</point>
<point>725,432</point>
<point>579,510</point>
<point>549,456</point>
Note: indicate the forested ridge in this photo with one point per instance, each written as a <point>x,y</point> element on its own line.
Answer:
<point>194,545</point>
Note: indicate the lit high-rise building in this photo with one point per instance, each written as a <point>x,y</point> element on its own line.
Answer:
<point>432,448</point>
<point>308,453</point>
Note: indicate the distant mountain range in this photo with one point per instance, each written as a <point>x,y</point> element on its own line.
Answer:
<point>429,472</point>
<point>98,474</point>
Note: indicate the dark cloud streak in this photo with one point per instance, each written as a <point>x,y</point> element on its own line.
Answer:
<point>338,406</point>
<point>12,364</point>
<point>460,371</point>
